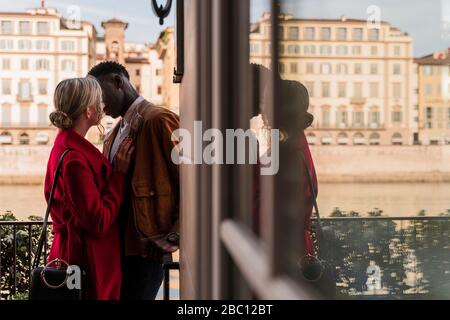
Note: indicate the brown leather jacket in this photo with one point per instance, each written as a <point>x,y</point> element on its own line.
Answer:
<point>152,208</point>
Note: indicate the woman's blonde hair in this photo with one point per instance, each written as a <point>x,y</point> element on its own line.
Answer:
<point>72,97</point>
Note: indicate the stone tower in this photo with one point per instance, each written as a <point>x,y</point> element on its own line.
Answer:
<point>115,40</point>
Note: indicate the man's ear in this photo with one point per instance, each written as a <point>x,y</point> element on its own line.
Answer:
<point>118,81</point>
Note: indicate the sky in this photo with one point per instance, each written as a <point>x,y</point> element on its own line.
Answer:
<point>422,19</point>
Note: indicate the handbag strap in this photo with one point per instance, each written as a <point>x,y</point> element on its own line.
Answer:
<point>43,236</point>
<point>314,197</point>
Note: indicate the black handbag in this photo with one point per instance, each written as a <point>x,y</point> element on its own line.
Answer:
<point>49,282</point>
<point>314,269</point>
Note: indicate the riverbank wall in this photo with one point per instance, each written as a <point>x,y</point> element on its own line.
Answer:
<point>26,165</point>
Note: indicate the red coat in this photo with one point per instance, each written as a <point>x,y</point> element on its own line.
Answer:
<point>86,202</point>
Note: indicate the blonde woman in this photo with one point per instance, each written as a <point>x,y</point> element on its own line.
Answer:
<point>89,191</point>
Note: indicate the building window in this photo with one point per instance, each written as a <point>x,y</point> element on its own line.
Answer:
<point>24,27</point>
<point>6,138</point>
<point>374,87</point>
<point>325,33</point>
<point>325,89</point>
<point>138,72</point>
<point>24,90</point>
<point>6,86</point>
<point>281,68</point>
<point>68,45</point>
<point>280,33</point>
<point>325,68</point>
<point>7,27</point>
<point>42,64</point>
<point>356,50</point>
<point>342,118</point>
<point>281,48</point>
<point>6,115</point>
<point>293,49</point>
<point>341,34</point>
<point>397,90</point>
<point>324,49</point>
<point>358,139</point>
<point>429,118</point>
<point>374,139</point>
<point>43,27</point>
<point>358,68</point>
<point>159,90</point>
<point>325,118</point>
<point>397,139</point>
<point>68,65</point>
<point>254,48</point>
<point>374,68</point>
<point>25,44</point>
<point>24,115</point>
<point>310,49</point>
<point>397,116</point>
<point>24,139</point>
<point>294,33</point>
<point>310,67</point>
<point>43,86</point>
<point>42,115</point>
<point>341,68</point>
<point>310,33</point>
<point>397,69</point>
<point>374,34</point>
<point>397,51</point>
<point>42,45</point>
<point>428,89</point>
<point>358,119</point>
<point>310,88</point>
<point>342,139</point>
<point>342,89</point>
<point>374,50</point>
<point>357,90</point>
<point>294,67</point>
<point>357,34</point>
<point>6,64</point>
<point>24,65</point>
<point>374,119</point>
<point>6,44</point>
<point>341,50</point>
<point>428,70</point>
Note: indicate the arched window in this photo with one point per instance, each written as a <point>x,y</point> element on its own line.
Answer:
<point>397,139</point>
<point>342,139</point>
<point>312,139</point>
<point>6,138</point>
<point>358,139</point>
<point>326,139</point>
<point>42,138</point>
<point>374,139</point>
<point>24,138</point>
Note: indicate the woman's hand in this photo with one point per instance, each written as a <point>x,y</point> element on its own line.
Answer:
<point>122,159</point>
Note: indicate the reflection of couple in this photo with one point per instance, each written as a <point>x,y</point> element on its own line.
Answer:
<point>116,214</point>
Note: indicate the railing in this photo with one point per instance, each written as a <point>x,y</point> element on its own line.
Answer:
<point>409,257</point>
<point>18,241</point>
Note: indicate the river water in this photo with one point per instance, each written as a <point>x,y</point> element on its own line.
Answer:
<point>405,199</point>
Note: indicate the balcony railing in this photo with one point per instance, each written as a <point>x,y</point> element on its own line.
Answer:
<point>18,241</point>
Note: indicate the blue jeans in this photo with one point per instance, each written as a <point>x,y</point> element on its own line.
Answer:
<point>141,278</point>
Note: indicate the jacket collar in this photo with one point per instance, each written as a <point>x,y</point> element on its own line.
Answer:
<point>70,139</point>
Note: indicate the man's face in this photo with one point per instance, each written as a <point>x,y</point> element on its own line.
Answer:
<point>113,95</point>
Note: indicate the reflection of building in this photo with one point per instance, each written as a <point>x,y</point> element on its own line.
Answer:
<point>434,98</point>
<point>170,91</point>
<point>38,49</point>
<point>362,82</point>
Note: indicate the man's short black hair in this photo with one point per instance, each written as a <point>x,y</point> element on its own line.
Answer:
<point>108,67</point>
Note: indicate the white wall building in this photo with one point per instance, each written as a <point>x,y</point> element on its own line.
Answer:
<point>38,49</point>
